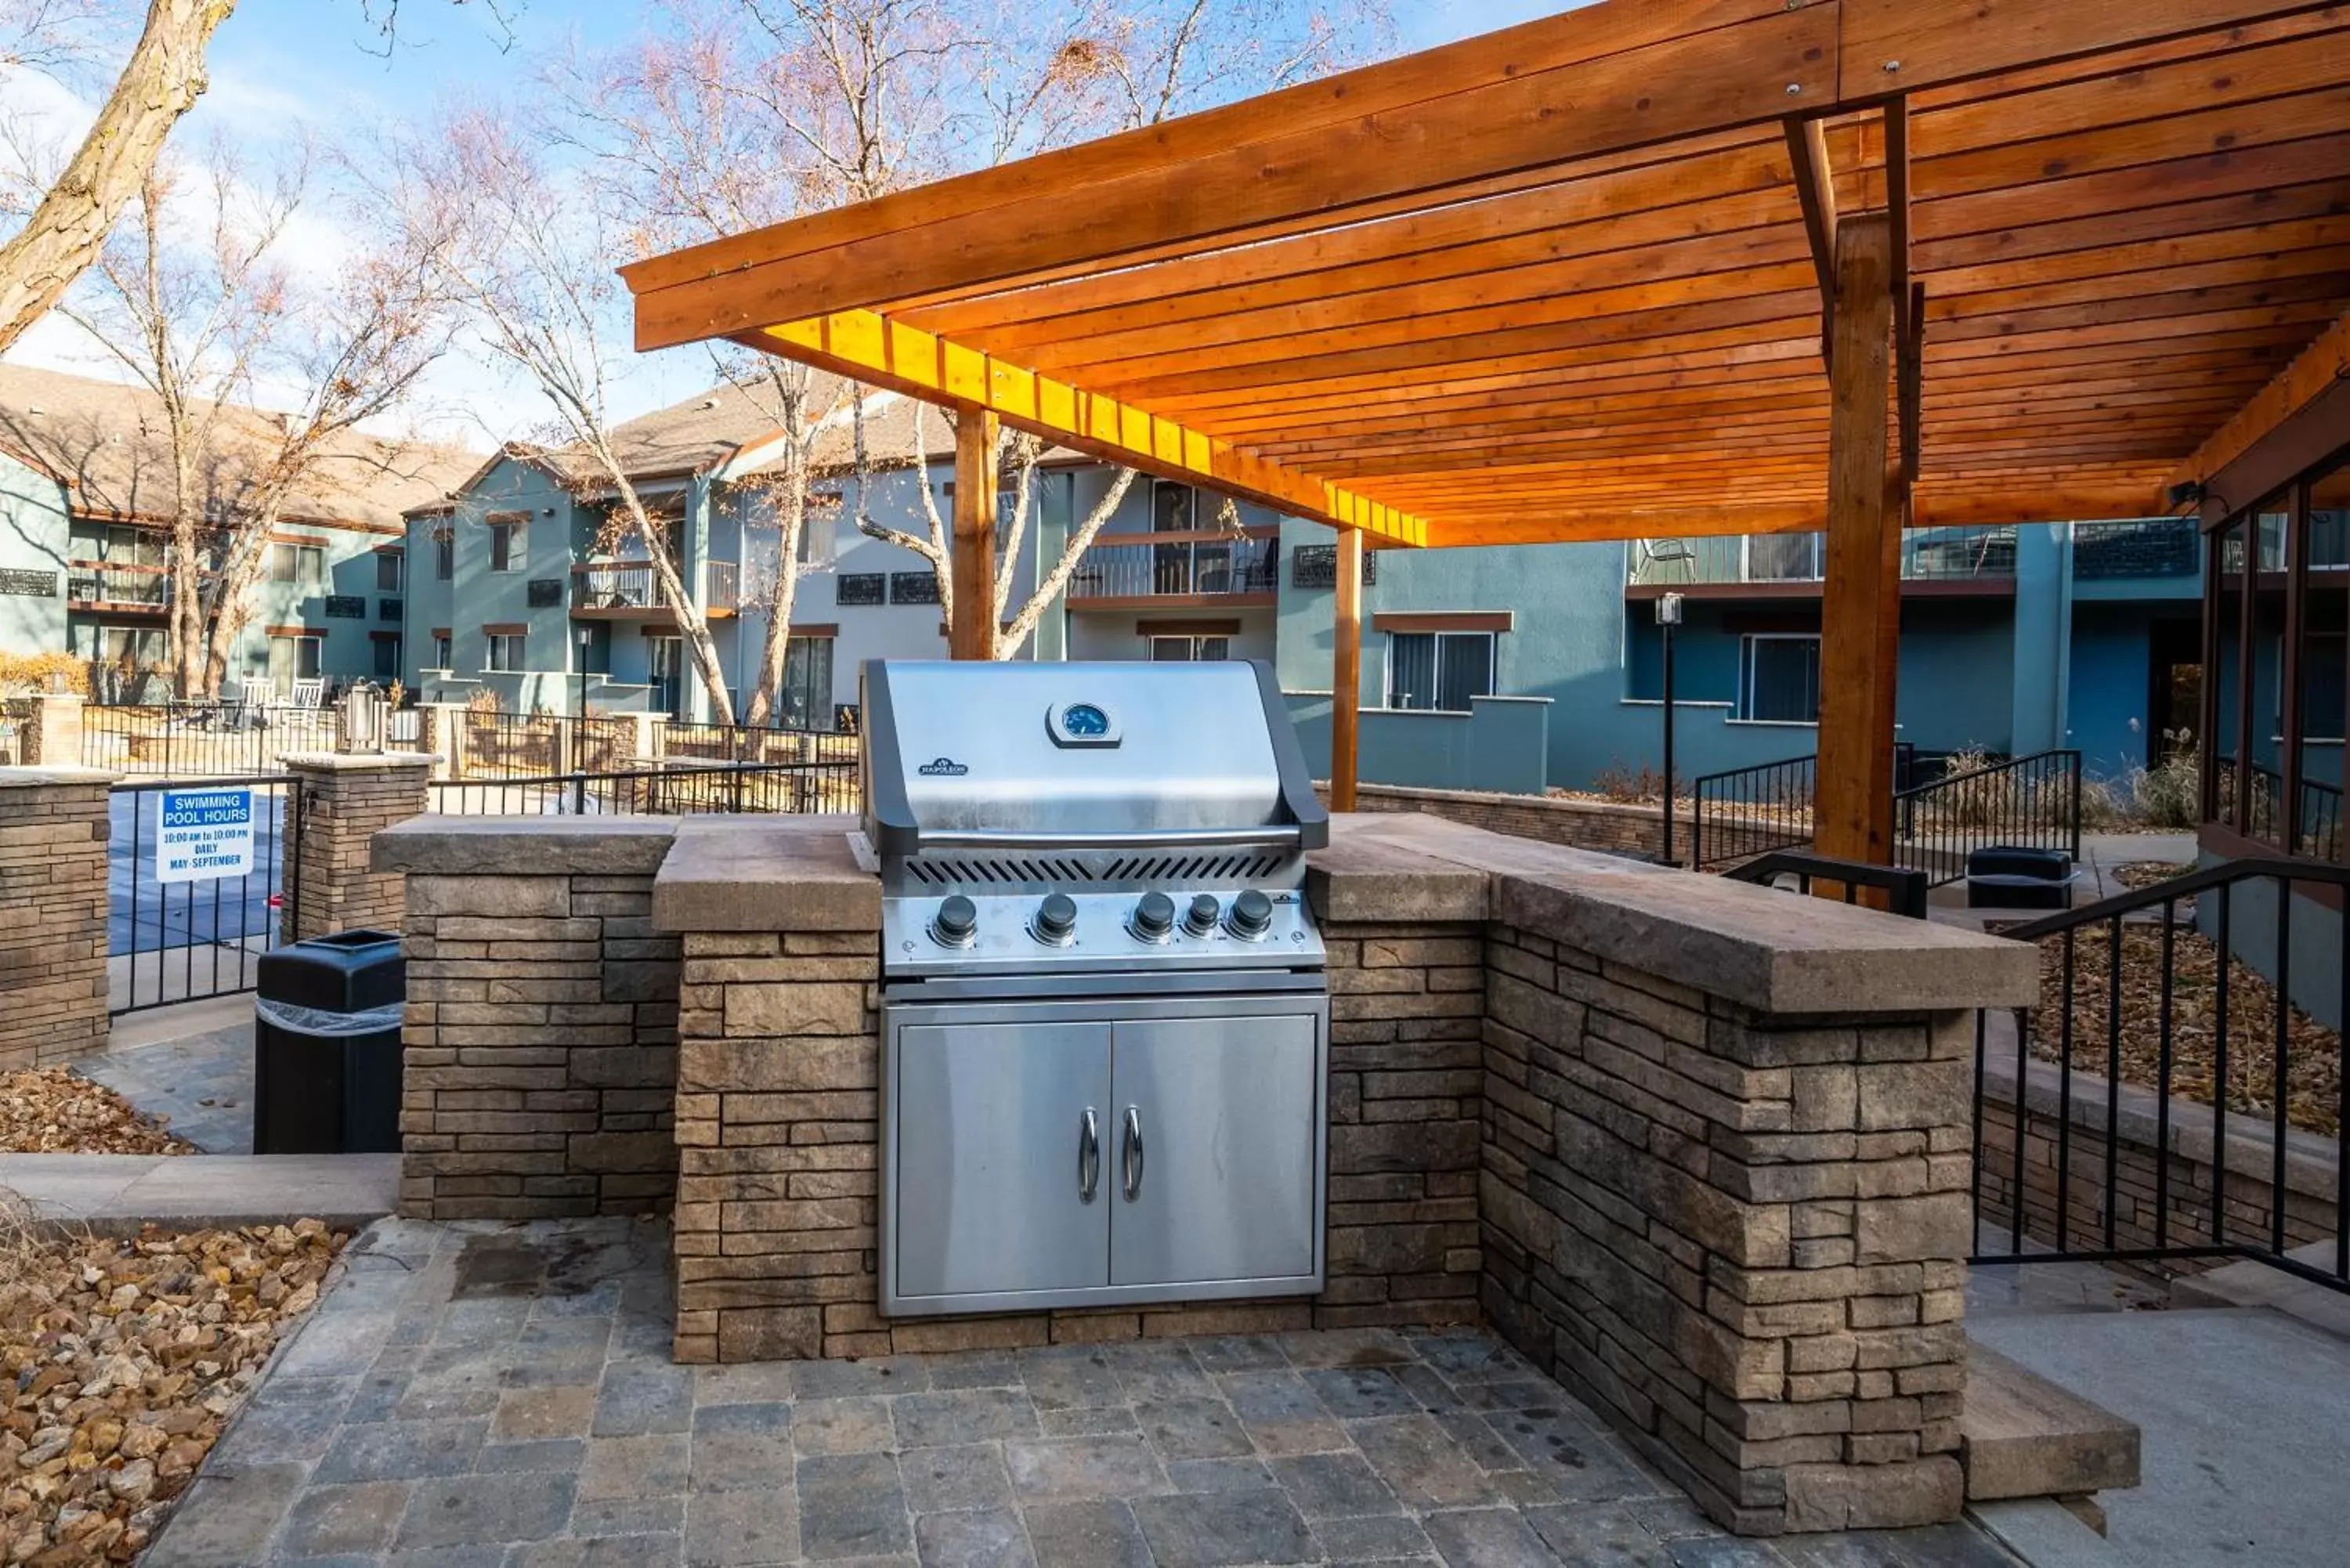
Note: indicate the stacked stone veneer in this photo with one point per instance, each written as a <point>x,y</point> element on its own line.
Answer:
<point>541,1032</point>
<point>53,836</point>
<point>344,802</point>
<point>1737,1235</point>
<point>1550,819</point>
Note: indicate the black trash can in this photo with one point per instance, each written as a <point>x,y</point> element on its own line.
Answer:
<point>2009,876</point>
<point>325,1045</point>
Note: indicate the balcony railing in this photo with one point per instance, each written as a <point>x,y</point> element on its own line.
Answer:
<point>1197,564</point>
<point>624,586</point>
<point>113,582</point>
<point>2139,547</point>
<point>1984,554</point>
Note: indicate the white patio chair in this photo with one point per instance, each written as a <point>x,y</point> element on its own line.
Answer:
<point>1649,555</point>
<point>309,694</point>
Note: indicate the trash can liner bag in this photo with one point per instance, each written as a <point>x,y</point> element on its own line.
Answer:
<point>320,1021</point>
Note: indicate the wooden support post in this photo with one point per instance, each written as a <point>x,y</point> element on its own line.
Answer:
<point>1861,601</point>
<point>1346,670</point>
<point>972,633</point>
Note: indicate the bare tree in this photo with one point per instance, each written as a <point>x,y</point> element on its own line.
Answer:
<point>535,274</point>
<point>206,324</point>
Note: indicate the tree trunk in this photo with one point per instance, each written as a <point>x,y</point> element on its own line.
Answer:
<point>163,78</point>
<point>791,521</point>
<point>691,624</point>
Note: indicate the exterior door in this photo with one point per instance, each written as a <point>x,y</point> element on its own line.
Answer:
<point>665,665</point>
<point>1222,1185</point>
<point>989,1156</point>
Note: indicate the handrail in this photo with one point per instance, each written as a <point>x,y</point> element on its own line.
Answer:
<point>1907,889</point>
<point>2172,888</point>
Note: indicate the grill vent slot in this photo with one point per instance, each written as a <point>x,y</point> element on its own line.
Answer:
<point>1072,870</point>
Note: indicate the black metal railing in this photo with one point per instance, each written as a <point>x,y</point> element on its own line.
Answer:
<point>1742,812</point>
<point>685,789</point>
<point>1904,891</point>
<point>185,740</point>
<point>2031,802</point>
<point>170,941</point>
<point>2175,1098</point>
<point>2260,814</point>
<point>755,743</point>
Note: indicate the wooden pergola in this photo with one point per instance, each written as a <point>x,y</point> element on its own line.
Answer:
<point>1653,267</point>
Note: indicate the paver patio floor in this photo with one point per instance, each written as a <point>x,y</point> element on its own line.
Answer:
<point>503,1396</point>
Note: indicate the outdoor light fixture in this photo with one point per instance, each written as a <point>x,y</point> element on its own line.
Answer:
<point>362,721</point>
<point>587,644</point>
<point>1668,616</point>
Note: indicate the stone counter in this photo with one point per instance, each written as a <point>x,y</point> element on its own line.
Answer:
<point>1700,1150</point>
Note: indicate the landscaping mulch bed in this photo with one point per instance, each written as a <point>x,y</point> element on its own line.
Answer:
<point>2148,873</point>
<point>120,1361</point>
<point>2313,1052</point>
<point>54,1110</point>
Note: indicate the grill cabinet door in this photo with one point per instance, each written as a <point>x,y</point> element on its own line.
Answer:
<point>990,1125</point>
<point>1226,1108</point>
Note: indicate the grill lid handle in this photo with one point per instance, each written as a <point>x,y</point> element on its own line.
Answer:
<point>1275,837</point>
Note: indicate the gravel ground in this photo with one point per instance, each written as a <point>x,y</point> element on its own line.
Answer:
<point>121,1360</point>
<point>54,1110</point>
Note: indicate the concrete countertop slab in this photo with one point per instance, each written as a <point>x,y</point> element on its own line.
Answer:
<point>765,874</point>
<point>49,778</point>
<point>434,846</point>
<point>117,1193</point>
<point>1365,880</point>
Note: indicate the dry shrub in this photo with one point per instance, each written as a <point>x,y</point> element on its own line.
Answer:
<point>28,674</point>
<point>1626,786</point>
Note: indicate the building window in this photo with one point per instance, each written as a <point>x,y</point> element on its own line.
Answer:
<point>387,658</point>
<point>507,545</point>
<point>665,672</point>
<point>387,572</point>
<point>391,609</point>
<point>544,593</point>
<point>294,657</point>
<point>506,651</point>
<point>302,563</point>
<point>913,588</point>
<point>1778,678</point>
<point>805,701</point>
<point>1190,649</point>
<point>860,588</point>
<point>444,554</point>
<point>347,606</point>
<point>444,650</point>
<point>1438,671</point>
<point>1317,566</point>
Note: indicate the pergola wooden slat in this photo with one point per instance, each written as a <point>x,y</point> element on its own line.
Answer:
<point>1576,280</point>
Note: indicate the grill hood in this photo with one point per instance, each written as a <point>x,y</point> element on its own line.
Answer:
<point>1081,755</point>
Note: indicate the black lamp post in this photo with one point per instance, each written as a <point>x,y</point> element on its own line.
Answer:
<point>586,643</point>
<point>1668,616</point>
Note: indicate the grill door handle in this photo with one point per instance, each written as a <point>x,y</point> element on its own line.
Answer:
<point>1133,1153</point>
<point>1088,1157</point>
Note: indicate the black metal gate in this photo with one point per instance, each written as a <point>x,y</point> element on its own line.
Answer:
<point>171,942</point>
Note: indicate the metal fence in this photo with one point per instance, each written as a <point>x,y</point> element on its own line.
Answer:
<point>178,941</point>
<point>2032,802</point>
<point>786,788</point>
<point>186,739</point>
<point>1904,891</point>
<point>1742,812</point>
<point>753,744</point>
<point>2317,830</point>
<point>2174,1097</point>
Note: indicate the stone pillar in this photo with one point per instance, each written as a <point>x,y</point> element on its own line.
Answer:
<point>53,909</point>
<point>444,737</point>
<point>345,801</point>
<point>651,737</point>
<point>53,732</point>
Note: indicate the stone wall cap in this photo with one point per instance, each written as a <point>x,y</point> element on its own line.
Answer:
<point>765,874</point>
<point>358,762</point>
<point>1363,879</point>
<point>49,778</point>
<point>435,846</point>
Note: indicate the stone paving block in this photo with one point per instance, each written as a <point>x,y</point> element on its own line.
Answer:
<point>1361,1391</point>
<point>1333,1486</point>
<point>842,1427</point>
<point>627,1516</point>
<point>742,1529</point>
<point>851,1505</point>
<point>332,1520</point>
<point>1063,1470</point>
<point>1376,1538</point>
<point>983,1538</point>
<point>964,1475</point>
<point>1224,1529</point>
<point>1421,1463</point>
<point>1192,1429</point>
<point>1243,1473</point>
<point>226,1518</point>
<point>632,1550</point>
<point>403,1450</point>
<point>528,1415</point>
<point>638,1398</point>
<point>1065,1377</point>
<point>741,1447</point>
<point>961,1415</point>
<point>1087,1535</point>
<point>1487,1538</point>
<point>651,1466</point>
<point>462,1511</point>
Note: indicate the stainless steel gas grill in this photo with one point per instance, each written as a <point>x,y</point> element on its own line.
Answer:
<point>1104,1020</point>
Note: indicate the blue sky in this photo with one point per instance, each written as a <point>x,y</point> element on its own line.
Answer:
<point>279,65</point>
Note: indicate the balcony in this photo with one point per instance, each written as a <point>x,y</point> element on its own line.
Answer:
<point>631,590</point>
<point>2141,548</point>
<point>1974,559</point>
<point>117,588</point>
<point>1235,568</point>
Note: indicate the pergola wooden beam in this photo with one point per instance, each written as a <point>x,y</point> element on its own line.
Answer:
<point>869,347</point>
<point>2316,368</point>
<point>1808,151</point>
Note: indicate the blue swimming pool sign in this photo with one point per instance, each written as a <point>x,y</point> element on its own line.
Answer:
<point>203,834</point>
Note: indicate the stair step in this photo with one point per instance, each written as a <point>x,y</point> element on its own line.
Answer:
<point>2021,1436</point>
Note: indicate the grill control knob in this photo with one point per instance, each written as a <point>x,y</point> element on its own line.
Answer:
<point>1056,919</point>
<point>1251,916</point>
<point>956,924</point>
<point>1154,917</point>
<point>1201,917</point>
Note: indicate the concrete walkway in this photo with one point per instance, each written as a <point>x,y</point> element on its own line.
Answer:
<point>192,1065</point>
<point>121,1191</point>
